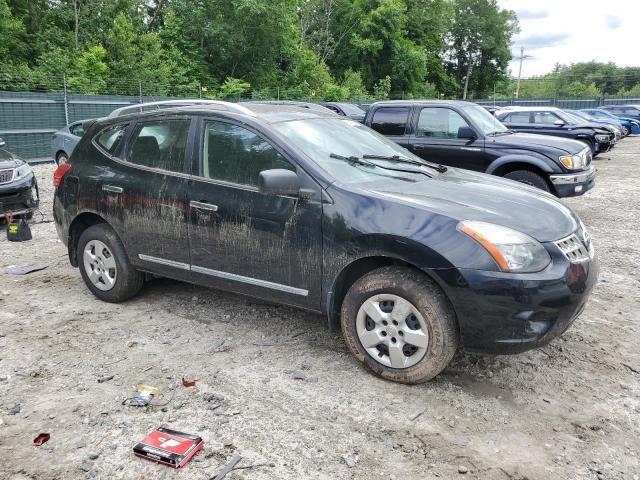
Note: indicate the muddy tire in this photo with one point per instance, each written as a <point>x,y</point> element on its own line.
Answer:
<point>399,325</point>
<point>104,265</point>
<point>529,178</point>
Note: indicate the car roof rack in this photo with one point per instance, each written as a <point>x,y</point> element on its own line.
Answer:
<point>150,106</point>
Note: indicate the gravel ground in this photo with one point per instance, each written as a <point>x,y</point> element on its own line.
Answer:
<point>276,387</point>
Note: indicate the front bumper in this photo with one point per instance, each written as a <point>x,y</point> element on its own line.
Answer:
<point>500,313</point>
<point>573,184</point>
<point>20,197</point>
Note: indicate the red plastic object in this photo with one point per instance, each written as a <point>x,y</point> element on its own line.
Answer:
<point>60,172</point>
<point>40,439</point>
<point>188,383</point>
<point>9,217</point>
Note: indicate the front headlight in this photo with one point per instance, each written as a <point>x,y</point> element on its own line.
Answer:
<point>573,161</point>
<point>22,171</point>
<point>602,138</point>
<point>512,251</point>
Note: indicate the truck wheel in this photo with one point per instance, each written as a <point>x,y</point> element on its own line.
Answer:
<point>399,325</point>
<point>530,178</point>
<point>104,265</point>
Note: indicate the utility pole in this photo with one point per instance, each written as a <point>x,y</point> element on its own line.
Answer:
<point>521,58</point>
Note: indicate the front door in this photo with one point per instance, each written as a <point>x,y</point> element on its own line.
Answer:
<point>268,246</point>
<point>436,140</point>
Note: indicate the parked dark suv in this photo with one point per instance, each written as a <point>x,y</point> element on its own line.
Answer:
<point>18,186</point>
<point>465,135</point>
<point>558,123</point>
<point>320,212</point>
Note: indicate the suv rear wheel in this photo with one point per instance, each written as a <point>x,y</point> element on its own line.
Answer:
<point>104,265</point>
<point>399,325</point>
<point>528,177</point>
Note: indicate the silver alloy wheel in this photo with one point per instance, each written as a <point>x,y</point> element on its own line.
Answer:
<point>99,265</point>
<point>62,158</point>
<point>392,331</point>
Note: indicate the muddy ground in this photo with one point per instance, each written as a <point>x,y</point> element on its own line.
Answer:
<point>276,387</point>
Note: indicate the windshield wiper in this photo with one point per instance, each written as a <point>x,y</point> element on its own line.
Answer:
<point>399,159</point>
<point>353,160</point>
<point>500,132</point>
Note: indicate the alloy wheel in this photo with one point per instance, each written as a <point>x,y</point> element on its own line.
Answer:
<point>392,331</point>
<point>100,265</point>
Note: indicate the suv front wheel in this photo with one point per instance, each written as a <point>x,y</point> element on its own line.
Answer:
<point>104,265</point>
<point>399,325</point>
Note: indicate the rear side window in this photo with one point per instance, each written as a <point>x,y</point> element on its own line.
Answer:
<point>390,120</point>
<point>110,138</point>
<point>517,117</point>
<point>160,144</point>
<point>237,155</point>
<point>631,111</point>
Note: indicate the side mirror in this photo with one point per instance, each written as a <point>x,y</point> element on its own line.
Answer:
<point>2,142</point>
<point>278,182</point>
<point>467,132</point>
<point>558,123</point>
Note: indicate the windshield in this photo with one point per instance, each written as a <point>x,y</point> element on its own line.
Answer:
<point>569,118</point>
<point>584,115</point>
<point>318,138</point>
<point>482,119</point>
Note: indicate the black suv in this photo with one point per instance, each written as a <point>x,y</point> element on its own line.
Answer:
<point>558,123</point>
<point>317,211</point>
<point>465,135</point>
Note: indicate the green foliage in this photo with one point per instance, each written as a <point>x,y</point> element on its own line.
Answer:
<point>382,88</point>
<point>233,88</point>
<point>89,74</point>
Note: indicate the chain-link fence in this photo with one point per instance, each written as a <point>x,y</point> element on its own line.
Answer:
<point>32,109</point>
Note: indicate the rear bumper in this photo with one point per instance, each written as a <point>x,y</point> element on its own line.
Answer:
<point>501,313</point>
<point>573,184</point>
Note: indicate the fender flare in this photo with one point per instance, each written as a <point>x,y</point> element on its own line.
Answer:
<point>544,165</point>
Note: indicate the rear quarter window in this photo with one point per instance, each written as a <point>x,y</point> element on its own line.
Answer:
<point>390,120</point>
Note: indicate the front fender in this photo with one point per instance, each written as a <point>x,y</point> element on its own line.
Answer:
<point>545,165</point>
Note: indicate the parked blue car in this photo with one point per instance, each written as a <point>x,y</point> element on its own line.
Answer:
<point>621,130</point>
<point>631,124</point>
<point>65,140</point>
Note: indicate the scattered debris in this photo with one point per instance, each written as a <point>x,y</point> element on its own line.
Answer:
<point>106,378</point>
<point>229,466</point>
<point>462,469</point>
<point>350,460</point>
<point>26,269</point>
<point>116,361</point>
<point>168,447</point>
<point>14,410</point>
<point>40,439</point>
<point>630,368</point>
<point>188,383</point>
<point>418,415</point>
<point>142,398</point>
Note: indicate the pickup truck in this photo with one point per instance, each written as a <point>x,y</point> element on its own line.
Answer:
<point>463,134</point>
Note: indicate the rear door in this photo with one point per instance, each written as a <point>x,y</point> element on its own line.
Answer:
<point>392,122</point>
<point>144,192</point>
<point>268,246</point>
<point>519,121</point>
<point>436,139</point>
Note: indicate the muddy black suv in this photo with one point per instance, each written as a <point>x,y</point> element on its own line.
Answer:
<point>317,211</point>
<point>465,135</point>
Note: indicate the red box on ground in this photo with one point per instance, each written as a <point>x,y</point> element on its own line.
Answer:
<point>169,447</point>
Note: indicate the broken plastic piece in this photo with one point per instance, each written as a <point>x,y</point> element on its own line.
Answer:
<point>40,439</point>
<point>26,269</point>
<point>142,398</point>
<point>188,383</point>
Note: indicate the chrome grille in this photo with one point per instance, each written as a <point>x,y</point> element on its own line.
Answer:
<point>576,249</point>
<point>6,176</point>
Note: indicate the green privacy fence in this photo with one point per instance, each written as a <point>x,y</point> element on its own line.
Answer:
<point>28,119</point>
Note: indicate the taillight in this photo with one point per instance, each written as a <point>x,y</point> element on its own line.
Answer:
<point>60,172</point>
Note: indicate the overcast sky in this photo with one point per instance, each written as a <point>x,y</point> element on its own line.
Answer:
<point>569,31</point>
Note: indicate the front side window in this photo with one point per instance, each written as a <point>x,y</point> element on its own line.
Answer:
<point>110,138</point>
<point>440,122</point>
<point>517,117</point>
<point>160,144</point>
<point>390,120</point>
<point>235,154</point>
<point>545,118</point>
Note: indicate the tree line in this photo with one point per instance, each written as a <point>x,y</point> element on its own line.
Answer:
<point>313,49</point>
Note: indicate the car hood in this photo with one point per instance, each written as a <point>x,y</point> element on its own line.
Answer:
<point>466,195</point>
<point>586,125</point>
<point>523,140</point>
<point>8,160</point>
